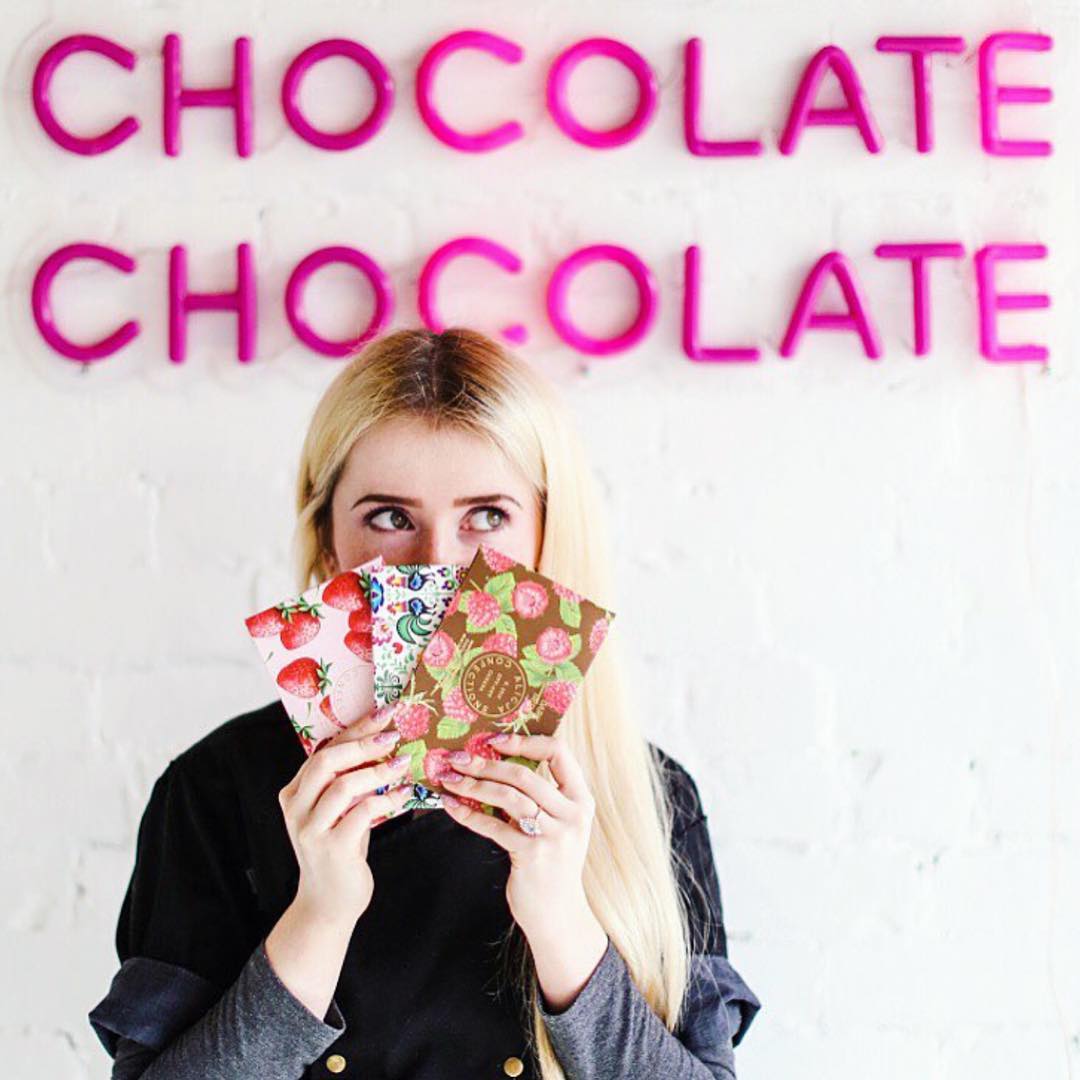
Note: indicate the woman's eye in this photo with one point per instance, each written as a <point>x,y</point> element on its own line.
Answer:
<point>483,516</point>
<point>394,519</point>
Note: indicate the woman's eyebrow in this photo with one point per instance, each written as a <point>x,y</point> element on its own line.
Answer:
<point>472,500</point>
<point>402,500</point>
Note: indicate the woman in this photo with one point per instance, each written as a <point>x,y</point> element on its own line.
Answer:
<point>282,920</point>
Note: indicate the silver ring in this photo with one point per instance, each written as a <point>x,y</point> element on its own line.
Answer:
<point>530,826</point>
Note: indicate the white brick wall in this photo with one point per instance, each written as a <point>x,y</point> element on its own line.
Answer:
<point>866,574</point>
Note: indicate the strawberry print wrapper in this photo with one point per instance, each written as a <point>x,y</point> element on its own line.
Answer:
<point>407,605</point>
<point>509,655</point>
<point>317,648</point>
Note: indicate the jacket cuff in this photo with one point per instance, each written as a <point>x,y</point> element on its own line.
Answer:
<point>150,1001</point>
<point>717,994</point>
<point>593,993</point>
<point>301,1017</point>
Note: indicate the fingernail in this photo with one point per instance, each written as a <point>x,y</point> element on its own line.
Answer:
<point>500,738</point>
<point>450,800</point>
<point>452,776</point>
<point>460,757</point>
<point>401,759</point>
<point>387,736</point>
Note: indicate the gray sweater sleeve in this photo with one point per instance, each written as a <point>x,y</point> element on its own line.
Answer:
<point>257,1030</point>
<point>609,1031</point>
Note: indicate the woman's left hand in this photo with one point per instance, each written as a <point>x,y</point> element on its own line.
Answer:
<point>545,890</point>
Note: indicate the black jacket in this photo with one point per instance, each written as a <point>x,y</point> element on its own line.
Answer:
<point>214,870</point>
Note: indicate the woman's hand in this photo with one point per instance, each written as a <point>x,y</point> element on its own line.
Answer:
<point>330,806</point>
<point>545,890</point>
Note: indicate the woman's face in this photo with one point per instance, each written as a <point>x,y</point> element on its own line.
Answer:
<point>416,495</point>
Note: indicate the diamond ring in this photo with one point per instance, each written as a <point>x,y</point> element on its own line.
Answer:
<point>530,826</point>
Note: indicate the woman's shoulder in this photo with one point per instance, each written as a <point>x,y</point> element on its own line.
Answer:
<point>681,788</point>
<point>261,731</point>
<point>251,755</point>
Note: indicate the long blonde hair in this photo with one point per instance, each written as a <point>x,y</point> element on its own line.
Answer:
<point>464,378</point>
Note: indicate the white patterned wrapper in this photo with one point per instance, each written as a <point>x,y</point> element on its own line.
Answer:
<point>407,604</point>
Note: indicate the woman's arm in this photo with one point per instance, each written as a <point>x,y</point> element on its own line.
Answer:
<point>199,992</point>
<point>610,1032</point>
<point>257,1029</point>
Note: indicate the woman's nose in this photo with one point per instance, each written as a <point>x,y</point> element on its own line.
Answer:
<point>437,546</point>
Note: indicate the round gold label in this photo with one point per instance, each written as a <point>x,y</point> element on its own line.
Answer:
<point>493,684</point>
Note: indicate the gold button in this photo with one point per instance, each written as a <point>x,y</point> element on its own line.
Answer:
<point>513,1066</point>
<point>335,1063</point>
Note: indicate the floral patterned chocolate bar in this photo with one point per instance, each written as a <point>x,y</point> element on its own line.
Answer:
<point>407,605</point>
<point>317,648</point>
<point>509,655</point>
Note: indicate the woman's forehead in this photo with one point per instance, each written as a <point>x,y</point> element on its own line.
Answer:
<point>407,456</point>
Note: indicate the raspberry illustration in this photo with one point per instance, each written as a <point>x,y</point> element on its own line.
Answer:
<point>413,721</point>
<point>559,696</point>
<point>435,764</point>
<point>483,610</point>
<point>530,599</point>
<point>496,560</point>
<point>477,744</point>
<point>554,645</point>
<point>501,643</point>
<point>454,705</point>
<point>439,650</point>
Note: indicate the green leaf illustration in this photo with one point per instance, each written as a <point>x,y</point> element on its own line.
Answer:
<point>570,612</point>
<point>529,763</point>
<point>505,624</point>
<point>501,586</point>
<point>416,749</point>
<point>568,671</point>
<point>450,727</point>
<point>537,672</point>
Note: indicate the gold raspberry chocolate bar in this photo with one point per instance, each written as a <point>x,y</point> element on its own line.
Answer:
<point>509,655</point>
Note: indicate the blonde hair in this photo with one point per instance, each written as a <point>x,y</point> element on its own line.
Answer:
<point>462,377</point>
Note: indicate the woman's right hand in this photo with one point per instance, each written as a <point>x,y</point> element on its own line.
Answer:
<point>329,807</point>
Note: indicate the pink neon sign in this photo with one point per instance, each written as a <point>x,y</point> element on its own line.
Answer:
<point>806,314</point>
<point>830,63</point>
<point>829,70</point>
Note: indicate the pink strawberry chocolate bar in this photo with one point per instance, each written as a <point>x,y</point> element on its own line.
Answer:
<point>317,648</point>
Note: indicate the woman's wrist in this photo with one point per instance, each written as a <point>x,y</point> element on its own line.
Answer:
<point>566,954</point>
<point>306,951</point>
